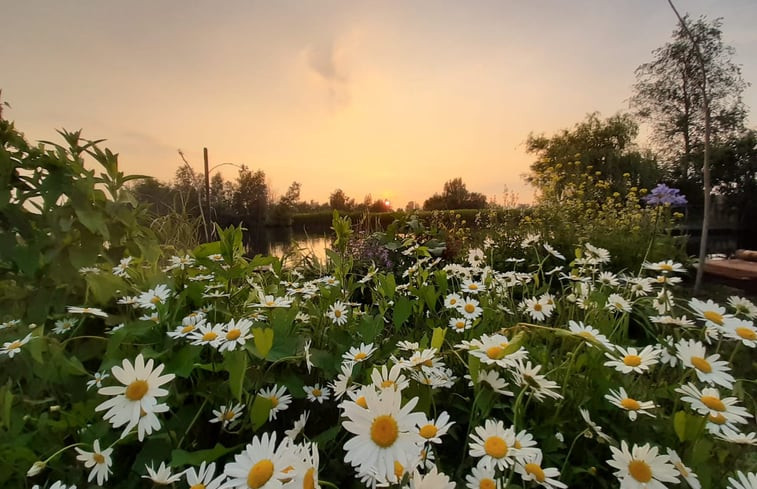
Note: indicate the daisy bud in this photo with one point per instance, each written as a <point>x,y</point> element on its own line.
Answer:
<point>36,468</point>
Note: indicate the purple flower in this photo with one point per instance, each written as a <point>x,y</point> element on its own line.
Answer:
<point>662,194</point>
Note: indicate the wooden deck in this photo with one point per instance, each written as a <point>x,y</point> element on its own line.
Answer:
<point>733,268</point>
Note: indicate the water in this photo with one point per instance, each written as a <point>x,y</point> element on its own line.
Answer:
<point>280,241</point>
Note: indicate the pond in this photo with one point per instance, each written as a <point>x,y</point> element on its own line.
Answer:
<point>282,240</point>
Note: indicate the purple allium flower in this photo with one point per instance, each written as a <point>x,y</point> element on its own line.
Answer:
<point>662,194</point>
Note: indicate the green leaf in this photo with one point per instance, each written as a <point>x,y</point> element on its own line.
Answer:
<point>263,340</point>
<point>6,402</point>
<point>370,327</point>
<point>235,362</point>
<point>679,425</point>
<point>474,365</point>
<point>438,338</point>
<point>402,310</point>
<point>181,458</point>
<point>259,412</point>
<point>105,286</point>
<point>516,343</point>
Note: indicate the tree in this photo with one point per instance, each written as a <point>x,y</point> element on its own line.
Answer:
<point>339,201</point>
<point>593,145</point>
<point>668,94</point>
<point>250,198</point>
<point>455,196</point>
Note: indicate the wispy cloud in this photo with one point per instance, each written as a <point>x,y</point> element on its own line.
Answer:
<point>326,60</point>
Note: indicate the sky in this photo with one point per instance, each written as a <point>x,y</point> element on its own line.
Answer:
<point>387,98</point>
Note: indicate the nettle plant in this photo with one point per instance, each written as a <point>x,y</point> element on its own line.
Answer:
<point>218,370</point>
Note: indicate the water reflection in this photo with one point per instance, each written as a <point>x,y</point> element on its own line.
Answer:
<point>281,241</point>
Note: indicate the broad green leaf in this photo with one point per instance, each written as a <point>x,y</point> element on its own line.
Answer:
<point>474,365</point>
<point>438,338</point>
<point>370,327</point>
<point>515,343</point>
<point>259,412</point>
<point>679,425</point>
<point>263,340</point>
<point>402,310</point>
<point>235,362</point>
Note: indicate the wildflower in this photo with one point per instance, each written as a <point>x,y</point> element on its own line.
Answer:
<point>595,428</point>
<point>528,378</point>
<point>341,384</point>
<point>632,360</point>
<point>359,354</point>
<point>316,393</point>
<point>202,478</point>
<point>538,309</point>
<point>235,334</point>
<point>280,400</point>
<point>384,432</point>
<point>9,324</point>
<point>553,252</point>
<point>740,330</point>
<point>452,301</point>
<point>641,467</point>
<point>616,302</point>
<point>432,431</point>
<point>468,307</point>
<point>179,262</point>
<point>621,399</point>
<point>305,473</point>
<point>596,255</point>
<point>162,476</point>
<point>472,287</point>
<point>122,267</point>
<point>270,302</point>
<point>10,348</point>
<point>97,381</point>
<point>483,477</point>
<point>36,468</point>
<point>142,388</point>
<point>306,352</point>
<point>476,257</point>
<point>745,480</point>
<point>99,460</point>
<point>431,480</point>
<point>92,270</point>
<point>608,279</point>
<point>641,286</point>
<point>492,350</point>
<point>460,324</point>
<point>298,426</point>
<point>733,436</point>
<point>592,335</point>
<point>337,313</point>
<point>87,310</point>
<point>708,368</point>
<point>743,306</point>
<point>407,345</point>
<point>207,334</point>
<point>64,325</point>
<point>709,403</point>
<point>683,471</point>
<point>525,445</point>
<point>666,266</point>
<point>492,443</point>
<point>530,469</point>
<point>384,378</point>
<point>227,415</point>
<point>491,378</point>
<point>262,464</point>
<point>664,195</point>
<point>153,297</point>
<point>713,314</point>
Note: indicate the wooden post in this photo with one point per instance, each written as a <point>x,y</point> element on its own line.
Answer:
<point>207,180</point>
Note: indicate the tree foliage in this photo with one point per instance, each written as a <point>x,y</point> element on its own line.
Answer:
<point>455,196</point>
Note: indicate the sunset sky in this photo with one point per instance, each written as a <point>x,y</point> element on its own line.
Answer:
<point>389,98</point>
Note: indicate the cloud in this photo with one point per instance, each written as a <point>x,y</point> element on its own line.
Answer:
<point>327,61</point>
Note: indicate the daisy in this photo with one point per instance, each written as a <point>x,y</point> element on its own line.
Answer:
<point>179,262</point>
<point>262,465</point>
<point>87,310</point>
<point>122,267</point>
<point>596,255</point>
<point>525,445</point>
<point>608,279</point>
<point>305,468</point>
<point>476,257</point>
<point>97,381</point>
<point>468,307</point>
<point>483,477</point>
<point>139,393</point>
<point>432,431</point>
<point>269,301</point>
<point>9,324</point>
<point>162,476</point>
<point>642,467</point>
<point>306,352</point>
<point>472,287</point>
<point>492,443</point>
<point>743,306</point>
<point>595,428</point>
<point>492,378</point>
<point>709,403</point>
<point>493,350</point>
<point>384,432</point>
<point>384,378</point>
<point>616,302</point>
<point>235,334</point>
<point>337,313</point>
<point>667,266</point>
<point>431,480</point>
<point>589,333</point>
<point>153,297</point>
<point>733,436</point>
<point>708,368</point>
<point>553,251</point>
<point>621,399</point>
<point>712,313</point>
<point>460,324</point>
<point>407,345</point>
<point>528,378</point>
<point>536,308</point>
<point>341,384</point>
<point>317,393</point>
<point>64,325</point>
<point>298,426</point>
<point>640,286</point>
<point>359,354</point>
<point>740,330</point>
<point>683,471</point>
<point>632,360</point>
<point>207,334</point>
<point>10,348</point>
<point>227,415</point>
<point>99,460</point>
<point>202,478</point>
<point>530,469</point>
<point>148,422</point>
<point>745,480</point>
<point>280,400</point>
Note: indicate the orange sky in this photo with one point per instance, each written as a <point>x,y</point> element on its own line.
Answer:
<point>387,98</point>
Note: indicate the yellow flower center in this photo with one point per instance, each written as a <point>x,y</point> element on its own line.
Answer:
<point>640,470</point>
<point>308,482</point>
<point>452,302</point>
<point>337,313</point>
<point>487,484</point>
<point>472,287</point>
<point>399,470</point>
<point>137,390</point>
<point>716,418</point>
<point>495,352</point>
<point>387,383</point>
<point>233,334</point>
<point>188,328</point>
<point>701,364</point>
<point>495,447</point>
<point>259,474</point>
<point>587,335</point>
<point>360,401</point>
<point>713,403</point>
<point>209,336</point>
<point>14,345</point>
<point>316,392</point>
<point>98,458</point>
<point>228,415</point>
<point>535,471</point>
<point>199,485</point>
<point>460,325</point>
<point>666,268</point>
<point>746,333</point>
<point>155,300</point>
<point>630,404</point>
<point>360,356</point>
<point>384,430</point>
<point>632,360</point>
<point>469,308</point>
<point>274,401</point>
<point>537,307</point>
<point>714,317</point>
<point>428,431</point>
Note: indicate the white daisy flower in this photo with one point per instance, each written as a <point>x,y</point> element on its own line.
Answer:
<point>203,477</point>
<point>685,472</point>
<point>10,348</point>
<point>608,279</point>
<point>528,377</point>
<point>360,353</point>
<point>460,325</point>
<point>616,302</point>
<point>262,465</point>
<point>407,345</point>
<point>384,431</point>
<point>153,297</point>
<point>492,443</point>
<point>94,311</point>
<point>472,286</point>
<point>305,473</point>
<point>666,266</point>
<point>235,334</point>
<point>740,330</point>
<point>227,415</point>
<point>483,477</point>
<point>525,445</point>
<point>640,286</point>
<point>742,480</point>
<point>492,350</point>
<point>710,312</point>
<point>709,369</point>
<point>139,393</point>
<point>632,360</point>
<point>432,431</point>
<point>621,399</point>
<point>553,252</point>
<point>316,393</point>
<point>308,359</point>
<point>469,308</point>
<point>122,268</point>
<point>709,403</point>
<point>280,400</point>
<point>180,262</point>
<point>743,306</point>
<point>595,428</point>
<point>64,325</point>
<point>732,436</point>
<point>270,302</point>
<point>338,313</point>
<point>476,257</point>
<point>431,480</point>
<point>384,378</point>
<point>492,378</point>
<point>207,334</point>
<point>97,381</point>
<point>591,334</point>
<point>298,426</point>
<point>341,384</point>
<point>162,476</point>
<point>641,467</point>
<point>538,309</point>
<point>530,469</point>
<point>98,460</point>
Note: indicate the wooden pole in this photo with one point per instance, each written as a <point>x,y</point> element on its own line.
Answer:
<point>207,180</point>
